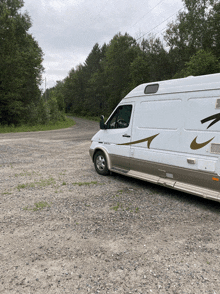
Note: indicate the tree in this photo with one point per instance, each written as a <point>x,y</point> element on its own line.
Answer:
<point>203,62</point>
<point>159,65</point>
<point>214,29</point>
<point>120,53</point>
<point>190,32</point>
<point>20,64</point>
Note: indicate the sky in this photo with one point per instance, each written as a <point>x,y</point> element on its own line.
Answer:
<point>67,30</point>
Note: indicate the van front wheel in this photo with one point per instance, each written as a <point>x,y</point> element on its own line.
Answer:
<point>100,163</point>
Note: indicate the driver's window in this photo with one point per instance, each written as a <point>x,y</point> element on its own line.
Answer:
<point>120,118</point>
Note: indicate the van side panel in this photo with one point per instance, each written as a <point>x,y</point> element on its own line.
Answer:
<point>182,148</point>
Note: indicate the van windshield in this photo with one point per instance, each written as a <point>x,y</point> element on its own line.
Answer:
<point>120,118</point>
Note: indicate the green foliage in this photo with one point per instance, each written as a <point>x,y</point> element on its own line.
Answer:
<point>203,62</point>
<point>37,127</point>
<point>20,64</point>
<point>38,206</point>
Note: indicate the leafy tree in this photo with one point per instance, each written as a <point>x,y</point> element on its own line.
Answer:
<point>214,29</point>
<point>190,31</point>
<point>20,64</point>
<point>159,65</point>
<point>203,62</point>
<point>120,53</point>
<point>140,70</point>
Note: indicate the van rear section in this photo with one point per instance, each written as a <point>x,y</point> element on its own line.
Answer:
<point>166,133</point>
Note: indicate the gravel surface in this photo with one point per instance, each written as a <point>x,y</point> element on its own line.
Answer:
<point>66,229</point>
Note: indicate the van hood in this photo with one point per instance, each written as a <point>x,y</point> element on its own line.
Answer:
<point>98,136</point>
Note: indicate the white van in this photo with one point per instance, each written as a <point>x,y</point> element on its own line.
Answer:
<point>167,133</point>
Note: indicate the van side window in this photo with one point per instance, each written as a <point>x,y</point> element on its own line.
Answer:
<point>120,118</point>
<point>151,89</point>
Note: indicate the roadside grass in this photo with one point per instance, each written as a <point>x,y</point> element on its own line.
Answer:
<point>27,128</point>
<point>93,118</point>
<point>42,183</point>
<point>38,206</point>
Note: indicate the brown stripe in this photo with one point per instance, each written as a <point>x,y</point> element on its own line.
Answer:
<point>195,146</point>
<point>149,139</point>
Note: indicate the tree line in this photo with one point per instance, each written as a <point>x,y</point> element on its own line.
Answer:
<point>21,70</point>
<point>191,46</point>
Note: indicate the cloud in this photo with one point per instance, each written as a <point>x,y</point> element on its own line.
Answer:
<point>67,30</point>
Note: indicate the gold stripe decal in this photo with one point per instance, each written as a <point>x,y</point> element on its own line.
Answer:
<point>148,140</point>
<point>195,146</point>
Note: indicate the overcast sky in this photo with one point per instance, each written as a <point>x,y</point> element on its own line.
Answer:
<point>67,30</point>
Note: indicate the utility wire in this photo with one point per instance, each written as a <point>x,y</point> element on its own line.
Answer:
<point>159,24</point>
<point>146,13</point>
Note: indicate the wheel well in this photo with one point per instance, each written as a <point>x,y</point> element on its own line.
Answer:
<point>106,155</point>
<point>96,152</point>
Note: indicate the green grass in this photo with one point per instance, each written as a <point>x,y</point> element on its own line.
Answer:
<point>26,128</point>
<point>25,174</point>
<point>38,206</point>
<point>6,193</point>
<point>93,118</point>
<point>85,183</point>
<point>116,207</point>
<point>41,183</point>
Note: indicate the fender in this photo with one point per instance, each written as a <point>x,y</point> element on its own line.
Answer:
<point>106,155</point>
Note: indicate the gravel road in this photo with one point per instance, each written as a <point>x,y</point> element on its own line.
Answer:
<point>66,229</point>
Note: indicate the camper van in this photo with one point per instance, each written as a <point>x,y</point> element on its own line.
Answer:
<point>167,133</point>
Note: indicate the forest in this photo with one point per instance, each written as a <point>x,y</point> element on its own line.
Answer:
<point>21,69</point>
<point>190,46</point>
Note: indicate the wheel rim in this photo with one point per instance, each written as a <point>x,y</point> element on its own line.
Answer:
<point>100,162</point>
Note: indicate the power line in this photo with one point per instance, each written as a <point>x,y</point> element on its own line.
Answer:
<point>159,24</point>
<point>146,13</point>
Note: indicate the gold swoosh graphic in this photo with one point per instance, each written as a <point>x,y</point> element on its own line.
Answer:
<point>195,146</point>
<point>149,139</point>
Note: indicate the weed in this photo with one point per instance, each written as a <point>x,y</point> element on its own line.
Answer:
<point>25,174</point>
<point>47,182</point>
<point>64,183</point>
<point>85,183</point>
<point>6,193</point>
<point>115,208</point>
<point>40,205</point>
<point>136,210</point>
<point>42,183</point>
<point>21,186</point>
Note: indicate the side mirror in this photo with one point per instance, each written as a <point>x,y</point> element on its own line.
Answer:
<point>102,124</point>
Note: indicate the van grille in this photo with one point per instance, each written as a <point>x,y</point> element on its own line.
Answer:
<point>215,148</point>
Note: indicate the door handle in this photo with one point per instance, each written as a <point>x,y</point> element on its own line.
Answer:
<point>126,135</point>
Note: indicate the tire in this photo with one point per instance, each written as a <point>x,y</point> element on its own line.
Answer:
<point>100,163</point>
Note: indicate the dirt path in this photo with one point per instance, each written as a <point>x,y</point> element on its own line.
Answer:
<point>65,229</point>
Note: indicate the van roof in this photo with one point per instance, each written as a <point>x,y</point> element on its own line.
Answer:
<point>188,84</point>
